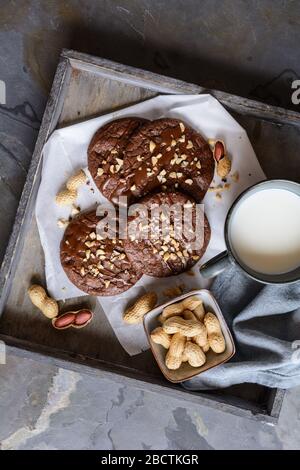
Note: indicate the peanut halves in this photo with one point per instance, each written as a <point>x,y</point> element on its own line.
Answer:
<point>141,306</point>
<point>221,158</point>
<point>75,319</point>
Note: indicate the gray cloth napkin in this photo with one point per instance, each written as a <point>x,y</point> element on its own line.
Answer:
<point>265,323</point>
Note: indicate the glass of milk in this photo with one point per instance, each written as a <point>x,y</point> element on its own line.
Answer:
<point>262,234</point>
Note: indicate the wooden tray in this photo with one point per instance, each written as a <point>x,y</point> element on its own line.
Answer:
<point>85,86</point>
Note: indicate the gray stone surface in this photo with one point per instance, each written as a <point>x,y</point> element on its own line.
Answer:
<point>248,48</point>
<point>50,408</point>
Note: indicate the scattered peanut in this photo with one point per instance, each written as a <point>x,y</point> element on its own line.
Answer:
<point>214,333</point>
<point>66,197</point>
<point>76,319</point>
<point>173,291</point>
<point>143,305</point>
<point>77,180</point>
<point>64,321</point>
<point>194,354</point>
<point>222,160</point>
<point>219,151</point>
<point>174,354</point>
<point>82,318</point>
<point>159,336</point>
<point>40,299</point>
<point>224,167</point>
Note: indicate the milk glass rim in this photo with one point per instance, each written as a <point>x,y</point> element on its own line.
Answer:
<point>257,276</point>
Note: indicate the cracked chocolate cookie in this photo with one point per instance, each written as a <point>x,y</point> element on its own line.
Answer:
<point>98,266</point>
<point>106,156</point>
<point>164,240</point>
<point>166,154</point>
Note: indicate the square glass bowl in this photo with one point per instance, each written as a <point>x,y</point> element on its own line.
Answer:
<point>186,372</point>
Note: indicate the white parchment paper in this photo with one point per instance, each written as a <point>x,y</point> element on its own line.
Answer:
<point>66,151</point>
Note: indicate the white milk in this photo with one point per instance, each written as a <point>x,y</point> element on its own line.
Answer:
<point>265,231</point>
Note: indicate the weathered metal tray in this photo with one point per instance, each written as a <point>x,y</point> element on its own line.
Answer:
<point>85,86</point>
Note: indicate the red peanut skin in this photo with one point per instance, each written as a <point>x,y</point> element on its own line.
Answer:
<point>219,150</point>
<point>83,317</point>
<point>64,321</point>
<point>77,319</point>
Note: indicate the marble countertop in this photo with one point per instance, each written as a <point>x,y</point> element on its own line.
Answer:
<point>43,407</point>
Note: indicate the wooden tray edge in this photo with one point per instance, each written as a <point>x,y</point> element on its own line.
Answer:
<point>68,59</point>
<point>92,367</point>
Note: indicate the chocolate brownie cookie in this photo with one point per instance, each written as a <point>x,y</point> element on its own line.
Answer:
<point>156,245</point>
<point>106,155</point>
<point>168,154</point>
<point>96,266</point>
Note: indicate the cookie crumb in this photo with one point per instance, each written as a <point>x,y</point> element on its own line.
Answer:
<point>235,176</point>
<point>62,223</point>
<point>173,291</point>
<point>75,210</point>
<point>190,273</point>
